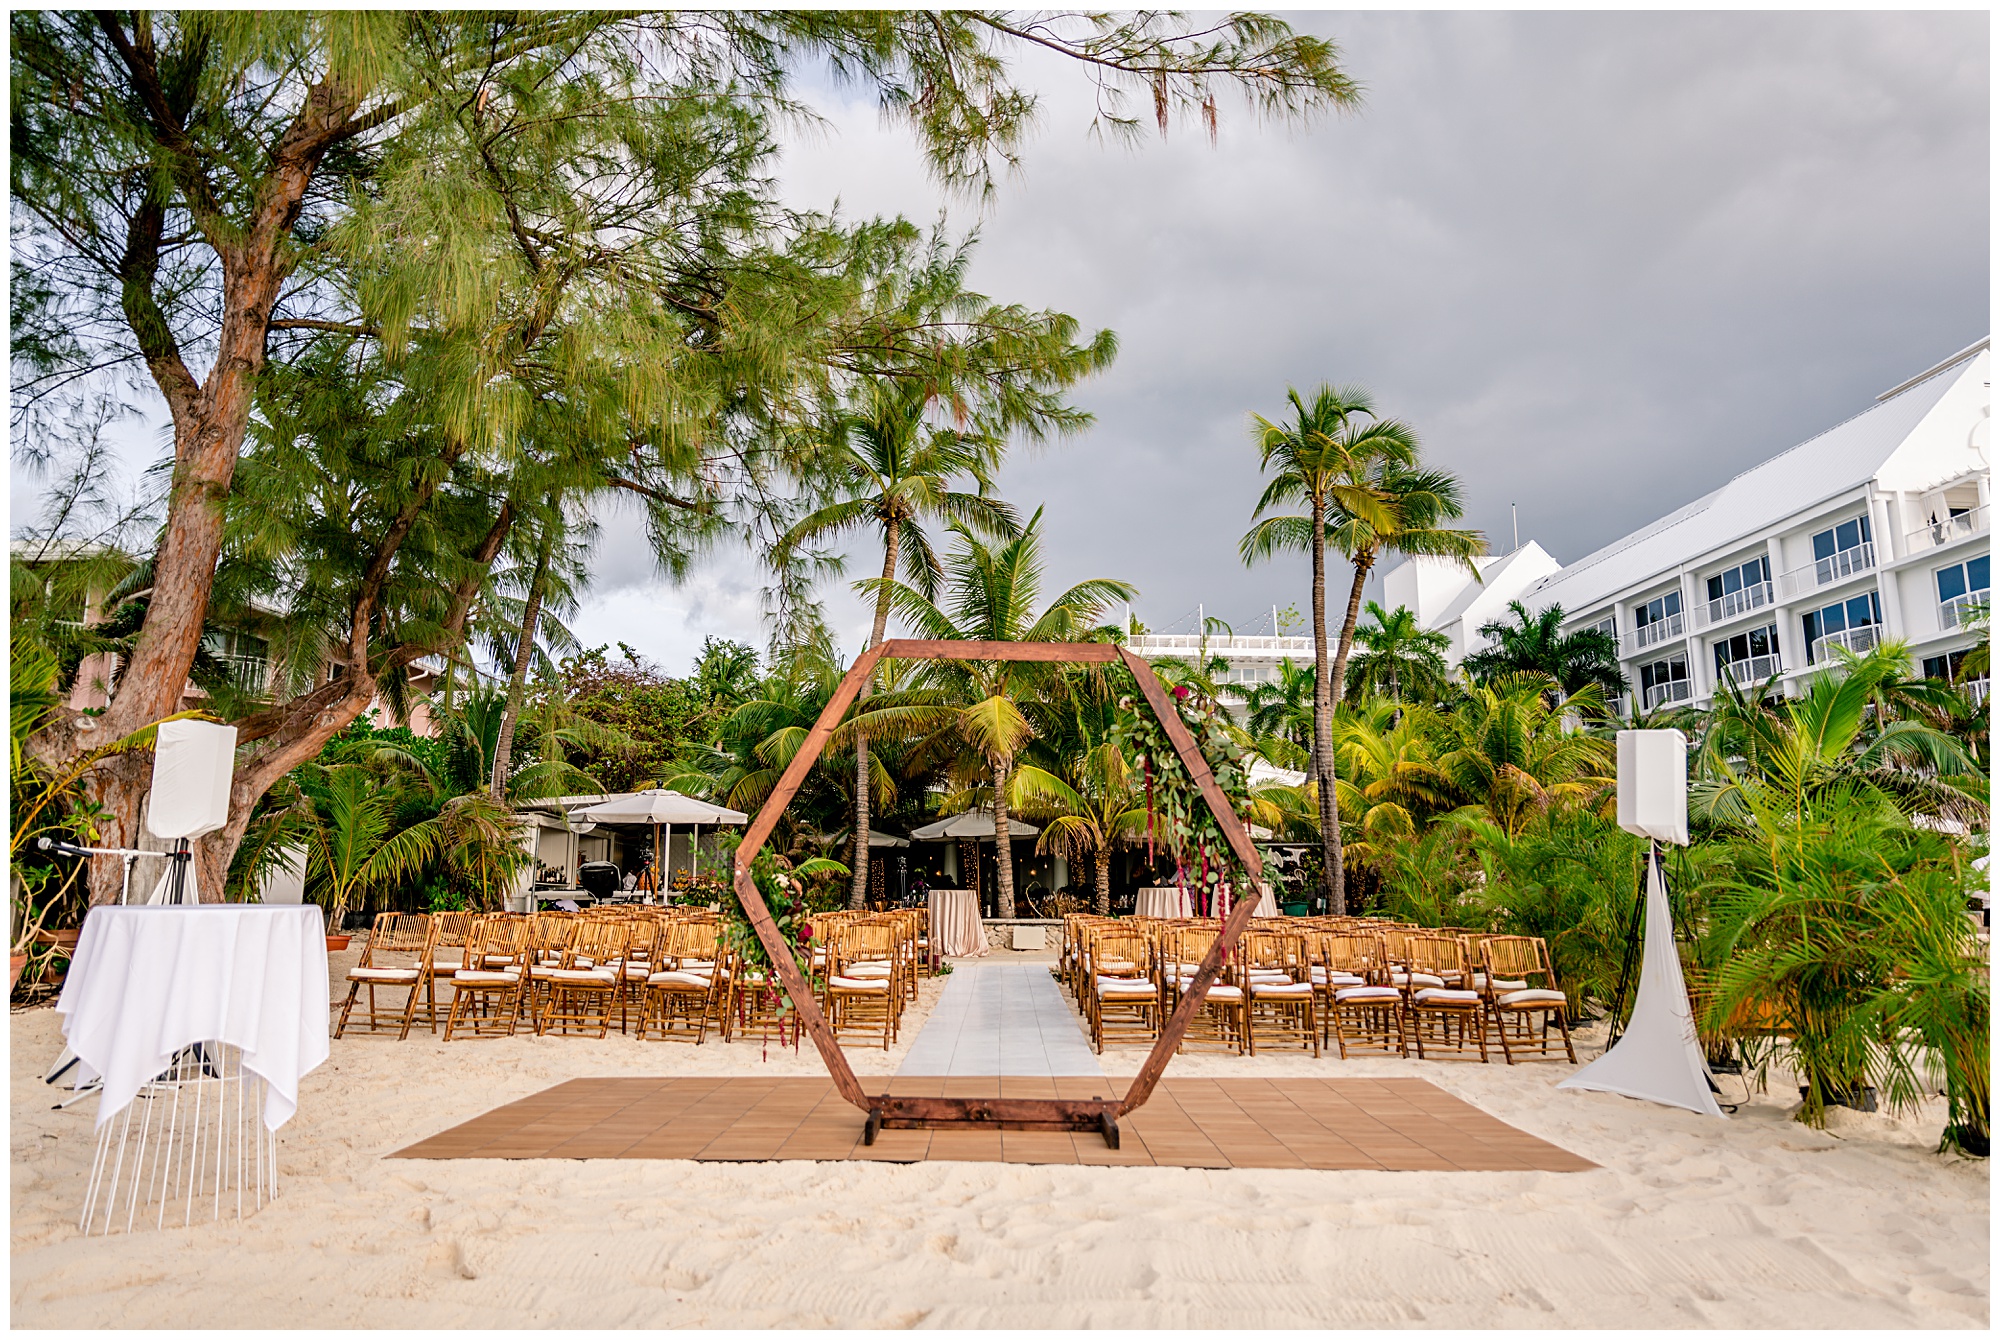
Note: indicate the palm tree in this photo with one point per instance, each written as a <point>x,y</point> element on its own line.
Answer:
<point>1536,644</point>
<point>994,590</point>
<point>1283,709</point>
<point>1316,458</point>
<point>1504,748</point>
<point>891,470</point>
<point>1396,655</point>
<point>1085,797</point>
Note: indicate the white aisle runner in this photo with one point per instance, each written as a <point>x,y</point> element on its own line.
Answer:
<point>1001,1019</point>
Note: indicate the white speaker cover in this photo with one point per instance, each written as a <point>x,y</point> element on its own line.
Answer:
<point>193,763</point>
<point>1652,784</point>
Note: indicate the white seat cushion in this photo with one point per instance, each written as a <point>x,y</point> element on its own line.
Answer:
<point>1539,995</point>
<point>691,981</point>
<point>1337,977</point>
<point>1116,965</point>
<point>1499,983</point>
<point>473,977</point>
<point>447,964</point>
<point>1385,994</point>
<point>860,984</point>
<point>382,974</point>
<point>1125,988</point>
<point>1438,995</point>
<point>1281,989</point>
<point>1416,979</point>
<point>696,964</point>
<point>869,970</point>
<point>1220,991</point>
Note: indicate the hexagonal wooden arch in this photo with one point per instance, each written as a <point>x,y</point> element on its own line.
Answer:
<point>1029,1114</point>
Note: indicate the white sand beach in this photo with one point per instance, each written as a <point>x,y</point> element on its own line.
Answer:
<point>1753,1222</point>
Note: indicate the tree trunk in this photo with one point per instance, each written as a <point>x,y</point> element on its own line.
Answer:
<point>524,652</point>
<point>1337,855</point>
<point>1101,876</point>
<point>857,894</point>
<point>1329,803</point>
<point>1003,850</point>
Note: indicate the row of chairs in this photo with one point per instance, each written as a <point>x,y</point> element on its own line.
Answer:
<point>668,969</point>
<point>1345,982</point>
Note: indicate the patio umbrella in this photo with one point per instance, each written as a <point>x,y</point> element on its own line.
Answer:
<point>657,807</point>
<point>972,824</point>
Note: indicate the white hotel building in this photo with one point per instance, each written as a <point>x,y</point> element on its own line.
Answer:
<point>1878,528</point>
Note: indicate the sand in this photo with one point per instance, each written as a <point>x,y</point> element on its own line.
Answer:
<point>1757,1221</point>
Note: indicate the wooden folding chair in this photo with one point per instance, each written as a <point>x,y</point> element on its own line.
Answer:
<point>578,995</point>
<point>1365,1012</point>
<point>1274,969</point>
<point>486,999</point>
<point>678,998</point>
<point>1511,964</point>
<point>447,955</point>
<point>1124,998</point>
<point>396,936</point>
<point>1443,1017</point>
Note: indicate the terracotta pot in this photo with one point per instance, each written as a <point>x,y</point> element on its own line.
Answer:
<point>334,942</point>
<point>15,962</point>
<point>63,940</point>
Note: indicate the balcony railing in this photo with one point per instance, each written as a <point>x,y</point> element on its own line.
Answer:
<point>1977,689</point>
<point>1660,630</point>
<point>1856,640</point>
<point>1753,670</point>
<point>1220,644</point>
<point>1673,691</point>
<point>1734,603</point>
<point>1961,610</point>
<point>1952,528</point>
<point>1833,568</point>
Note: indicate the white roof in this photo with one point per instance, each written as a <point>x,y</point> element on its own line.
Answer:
<point>1842,458</point>
<point>658,807</point>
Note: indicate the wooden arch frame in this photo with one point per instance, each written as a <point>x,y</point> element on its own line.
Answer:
<point>1031,1114</point>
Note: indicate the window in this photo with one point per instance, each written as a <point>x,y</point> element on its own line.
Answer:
<point>1748,657</point>
<point>1843,550</point>
<point>1740,588</point>
<point>1664,681</point>
<point>1849,623</point>
<point>1608,625</point>
<point>1944,667</point>
<point>1962,588</point>
<point>1658,619</point>
<point>1659,609</point>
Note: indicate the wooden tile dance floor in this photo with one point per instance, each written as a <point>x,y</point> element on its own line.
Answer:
<point>1391,1124</point>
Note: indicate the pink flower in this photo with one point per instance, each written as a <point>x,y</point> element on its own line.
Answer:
<point>1181,692</point>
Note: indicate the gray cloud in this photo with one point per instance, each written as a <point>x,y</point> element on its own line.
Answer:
<point>1600,262</point>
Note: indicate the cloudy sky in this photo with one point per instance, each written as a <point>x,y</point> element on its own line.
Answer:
<point>1599,262</point>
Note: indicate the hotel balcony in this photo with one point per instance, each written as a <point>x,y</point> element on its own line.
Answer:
<point>1675,691</point>
<point>1950,530</point>
<point>1759,596</point>
<point>1752,670</point>
<point>1961,610</point>
<point>1654,633</point>
<point>1856,640</point>
<point>1826,571</point>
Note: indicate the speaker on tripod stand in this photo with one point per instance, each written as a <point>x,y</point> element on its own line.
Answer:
<point>1657,1055</point>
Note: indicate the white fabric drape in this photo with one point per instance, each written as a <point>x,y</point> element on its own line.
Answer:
<point>146,982</point>
<point>1658,1058</point>
<point>1168,902</point>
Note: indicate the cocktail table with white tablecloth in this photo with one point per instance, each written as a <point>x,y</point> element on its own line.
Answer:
<point>1171,902</point>
<point>169,1002</point>
<point>956,930</point>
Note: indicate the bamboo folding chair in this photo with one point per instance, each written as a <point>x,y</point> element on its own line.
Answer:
<point>1511,964</point>
<point>1442,1017</point>
<point>578,995</point>
<point>1274,968</point>
<point>678,998</point>
<point>447,955</point>
<point>1221,1018</point>
<point>1365,1012</point>
<point>486,1000</point>
<point>862,992</point>
<point>1124,998</point>
<point>394,935</point>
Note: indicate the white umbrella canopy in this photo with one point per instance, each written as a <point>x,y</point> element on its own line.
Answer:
<point>655,806</point>
<point>971,824</point>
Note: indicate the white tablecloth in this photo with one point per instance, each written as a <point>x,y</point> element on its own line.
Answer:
<point>1163,903</point>
<point>146,982</point>
<point>956,930</point>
